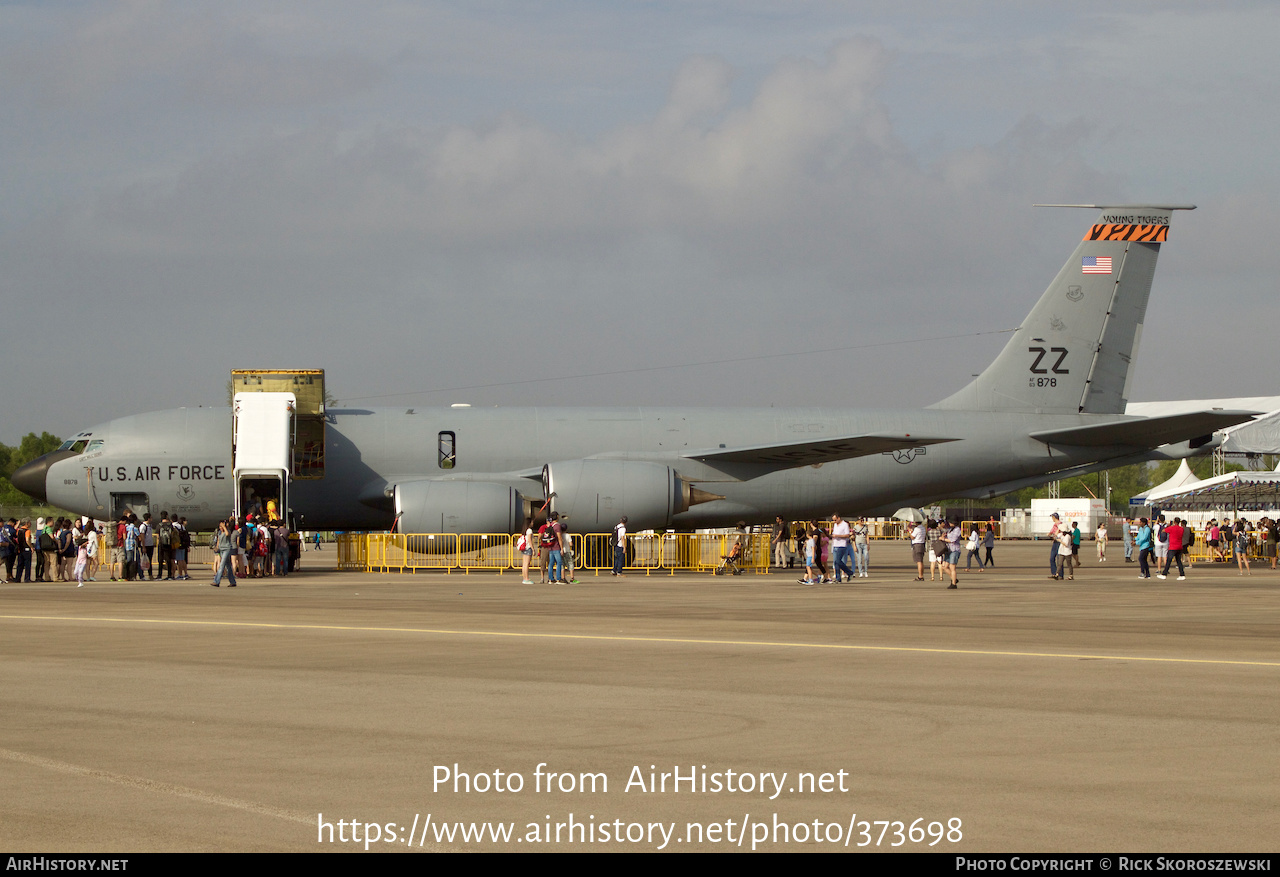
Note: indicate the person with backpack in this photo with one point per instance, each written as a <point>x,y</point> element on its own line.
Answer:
<point>549,541</point>
<point>66,550</point>
<point>22,546</point>
<point>115,541</point>
<point>147,536</point>
<point>165,538</point>
<point>132,566</point>
<point>46,547</point>
<point>8,540</point>
<point>280,539</point>
<point>184,549</point>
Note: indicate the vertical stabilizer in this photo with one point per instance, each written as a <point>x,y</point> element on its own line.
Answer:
<point>1074,352</point>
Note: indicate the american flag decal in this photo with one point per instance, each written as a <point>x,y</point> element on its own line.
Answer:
<point>1095,265</point>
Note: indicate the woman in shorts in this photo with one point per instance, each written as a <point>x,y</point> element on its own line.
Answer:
<point>526,551</point>
<point>1242,549</point>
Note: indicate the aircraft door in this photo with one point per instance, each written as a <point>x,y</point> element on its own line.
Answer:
<point>138,503</point>
<point>262,494</point>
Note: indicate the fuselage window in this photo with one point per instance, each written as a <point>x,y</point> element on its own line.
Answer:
<point>448,450</point>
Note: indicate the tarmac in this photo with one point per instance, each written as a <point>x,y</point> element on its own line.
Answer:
<point>332,711</point>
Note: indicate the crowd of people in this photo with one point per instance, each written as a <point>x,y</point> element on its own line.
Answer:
<point>64,549</point>
<point>1160,543</point>
<point>139,549</point>
<point>53,550</point>
<point>846,547</point>
<point>252,547</point>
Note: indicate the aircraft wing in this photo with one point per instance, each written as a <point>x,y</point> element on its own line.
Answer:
<point>1144,432</point>
<point>805,453</point>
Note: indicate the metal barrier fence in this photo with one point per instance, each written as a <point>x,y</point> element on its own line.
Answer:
<point>592,552</point>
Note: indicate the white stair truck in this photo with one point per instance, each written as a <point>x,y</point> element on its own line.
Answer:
<point>263,452</point>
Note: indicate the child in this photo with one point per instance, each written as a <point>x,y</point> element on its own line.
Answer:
<point>810,549</point>
<point>82,560</point>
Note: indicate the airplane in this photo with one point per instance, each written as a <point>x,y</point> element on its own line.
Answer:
<point>1052,404</point>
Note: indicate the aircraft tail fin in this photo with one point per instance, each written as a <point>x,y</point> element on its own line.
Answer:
<point>1074,352</point>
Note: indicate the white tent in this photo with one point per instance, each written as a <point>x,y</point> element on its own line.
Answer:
<point>1261,436</point>
<point>1180,480</point>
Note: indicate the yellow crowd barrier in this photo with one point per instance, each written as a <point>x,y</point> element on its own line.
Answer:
<point>592,552</point>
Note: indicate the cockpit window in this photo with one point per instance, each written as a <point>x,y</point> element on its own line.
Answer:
<point>75,445</point>
<point>94,445</point>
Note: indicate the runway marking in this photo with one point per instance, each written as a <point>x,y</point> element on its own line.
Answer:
<point>642,639</point>
<point>147,785</point>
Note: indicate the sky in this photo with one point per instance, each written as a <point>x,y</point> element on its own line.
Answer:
<point>598,203</point>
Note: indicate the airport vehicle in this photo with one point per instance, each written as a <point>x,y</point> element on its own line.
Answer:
<point>1052,404</point>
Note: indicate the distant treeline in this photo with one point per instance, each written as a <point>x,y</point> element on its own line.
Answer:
<point>11,458</point>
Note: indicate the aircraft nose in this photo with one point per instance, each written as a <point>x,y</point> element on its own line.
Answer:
<point>30,477</point>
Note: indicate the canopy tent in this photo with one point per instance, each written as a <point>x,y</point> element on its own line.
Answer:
<point>1182,478</point>
<point>1238,491</point>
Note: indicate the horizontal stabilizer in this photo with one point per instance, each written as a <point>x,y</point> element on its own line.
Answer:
<point>1144,432</point>
<point>806,453</point>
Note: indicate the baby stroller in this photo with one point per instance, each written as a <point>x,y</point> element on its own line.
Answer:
<point>729,562</point>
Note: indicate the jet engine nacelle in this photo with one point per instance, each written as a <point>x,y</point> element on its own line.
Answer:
<point>594,494</point>
<point>430,506</point>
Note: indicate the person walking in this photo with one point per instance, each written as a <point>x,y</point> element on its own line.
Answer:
<point>953,537</point>
<point>1055,524</point>
<point>620,546</point>
<point>972,550</point>
<point>1143,540</point>
<point>1066,558</point>
<point>225,546</point>
<point>841,552</point>
<point>861,549</point>
<point>919,535</point>
<point>1176,534</point>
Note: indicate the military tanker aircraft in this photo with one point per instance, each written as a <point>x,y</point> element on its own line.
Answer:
<point>1052,404</point>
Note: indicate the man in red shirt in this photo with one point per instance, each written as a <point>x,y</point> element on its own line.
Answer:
<point>1176,535</point>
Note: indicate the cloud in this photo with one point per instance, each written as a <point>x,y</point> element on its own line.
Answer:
<point>812,153</point>
<point>722,222</point>
<point>156,54</point>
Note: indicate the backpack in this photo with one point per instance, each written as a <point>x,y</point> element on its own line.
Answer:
<point>547,536</point>
<point>164,536</point>
<point>1189,538</point>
